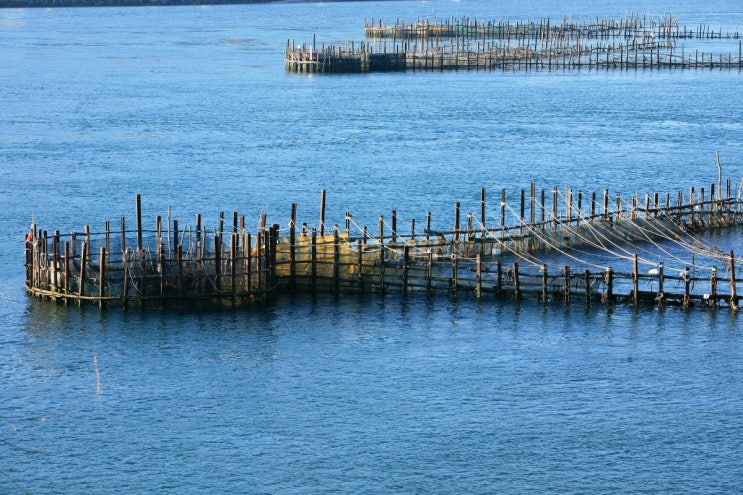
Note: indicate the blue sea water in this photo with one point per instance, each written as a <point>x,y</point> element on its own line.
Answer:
<point>192,108</point>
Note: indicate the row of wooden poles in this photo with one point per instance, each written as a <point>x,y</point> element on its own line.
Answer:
<point>173,266</point>
<point>405,57</point>
<point>154,268</point>
<point>665,27</point>
<point>472,46</point>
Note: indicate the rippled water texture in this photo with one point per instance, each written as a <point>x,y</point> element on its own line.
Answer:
<point>192,108</point>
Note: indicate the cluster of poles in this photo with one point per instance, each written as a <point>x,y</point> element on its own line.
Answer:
<point>464,44</point>
<point>522,249</point>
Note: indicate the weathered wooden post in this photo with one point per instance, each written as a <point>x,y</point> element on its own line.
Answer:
<point>566,291</point>
<point>123,238</point>
<point>635,281</point>
<point>101,277</point>
<point>81,280</point>
<point>656,205</point>
<point>687,287</point>
<point>179,280</point>
<point>55,261</point>
<point>502,212</point>
<point>713,288</point>
<point>199,251</point>
<point>456,221</point>
<point>593,206</point>
<point>428,227</point>
<point>429,273</point>
<point>633,207</point>
<point>360,264</point>
<point>233,267</point>
<point>483,218</point>
<point>478,275</point>
<point>554,207</point>
<point>158,237</point>
<point>381,254</point>
<point>516,284</point>
<point>66,268</point>
<point>454,281</point>
<point>691,203</point>
<point>336,262</point>
<point>532,203</point>
<point>569,207</point>
<point>322,213</point>
<point>405,267</point>
<point>30,264</point>
<point>293,249</point>
<point>218,262</point>
<point>273,253</point>
<point>313,261</point>
<point>522,218</point>
<point>606,204</point>
<point>394,227</point>
<point>733,291</point>
<point>470,230</point>
<point>248,264</point>
<point>161,262</point>
<point>139,222</point>
<point>107,243</point>
<point>175,236</point>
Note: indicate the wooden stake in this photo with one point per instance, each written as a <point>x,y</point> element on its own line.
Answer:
<point>733,291</point>
<point>394,227</point>
<point>635,281</point>
<point>322,213</point>
<point>381,254</point>
<point>81,279</point>
<point>66,264</point>
<point>101,277</point>
<point>456,221</point>
<point>687,287</point>
<point>293,249</point>
<point>336,262</point>
<point>139,222</point>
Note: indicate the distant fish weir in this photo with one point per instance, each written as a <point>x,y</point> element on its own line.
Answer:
<point>546,247</point>
<point>465,44</point>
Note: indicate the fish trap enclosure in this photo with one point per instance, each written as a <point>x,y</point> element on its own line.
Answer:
<point>633,42</point>
<point>560,246</point>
